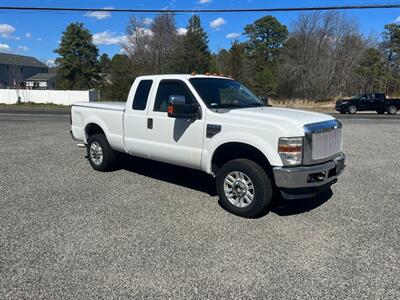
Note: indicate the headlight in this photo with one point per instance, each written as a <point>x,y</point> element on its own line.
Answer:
<point>291,150</point>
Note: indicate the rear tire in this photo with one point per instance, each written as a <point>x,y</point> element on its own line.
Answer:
<point>244,188</point>
<point>392,110</point>
<point>352,109</point>
<point>100,155</point>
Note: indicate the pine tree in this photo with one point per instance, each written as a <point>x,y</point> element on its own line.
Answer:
<point>193,53</point>
<point>77,65</point>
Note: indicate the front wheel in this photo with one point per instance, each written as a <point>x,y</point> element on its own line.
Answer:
<point>392,110</point>
<point>352,109</point>
<point>244,188</point>
<point>101,156</point>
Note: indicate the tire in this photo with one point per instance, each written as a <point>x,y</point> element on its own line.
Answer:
<point>100,155</point>
<point>342,112</point>
<point>234,177</point>
<point>392,110</point>
<point>352,109</point>
<point>380,112</point>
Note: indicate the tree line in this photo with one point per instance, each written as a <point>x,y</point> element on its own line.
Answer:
<point>323,56</point>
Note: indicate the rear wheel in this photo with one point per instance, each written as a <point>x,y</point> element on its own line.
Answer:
<point>244,188</point>
<point>101,156</point>
<point>352,109</point>
<point>392,110</point>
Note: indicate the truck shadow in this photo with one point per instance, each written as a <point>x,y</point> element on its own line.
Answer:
<point>205,183</point>
<point>185,177</point>
<point>294,207</point>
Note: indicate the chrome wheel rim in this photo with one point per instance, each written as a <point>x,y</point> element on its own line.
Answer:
<point>96,153</point>
<point>239,189</point>
<point>392,110</point>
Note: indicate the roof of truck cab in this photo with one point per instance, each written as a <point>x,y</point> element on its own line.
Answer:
<point>180,76</point>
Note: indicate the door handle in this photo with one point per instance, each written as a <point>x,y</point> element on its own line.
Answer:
<point>150,123</point>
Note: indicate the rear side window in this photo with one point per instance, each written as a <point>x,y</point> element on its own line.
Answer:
<point>167,88</point>
<point>142,94</point>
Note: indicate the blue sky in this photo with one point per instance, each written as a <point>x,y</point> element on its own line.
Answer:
<point>38,33</point>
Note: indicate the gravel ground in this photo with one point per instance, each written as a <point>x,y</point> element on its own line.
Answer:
<point>151,230</point>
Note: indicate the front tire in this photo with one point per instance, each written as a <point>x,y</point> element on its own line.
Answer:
<point>352,109</point>
<point>101,156</point>
<point>244,188</point>
<point>392,110</point>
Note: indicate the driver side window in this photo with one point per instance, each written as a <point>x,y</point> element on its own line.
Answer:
<point>168,88</point>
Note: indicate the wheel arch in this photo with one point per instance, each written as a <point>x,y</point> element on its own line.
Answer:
<point>232,150</point>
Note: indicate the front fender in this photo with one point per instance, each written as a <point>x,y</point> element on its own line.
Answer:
<point>267,147</point>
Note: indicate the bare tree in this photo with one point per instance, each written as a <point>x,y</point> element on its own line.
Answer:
<point>151,48</point>
<point>320,55</point>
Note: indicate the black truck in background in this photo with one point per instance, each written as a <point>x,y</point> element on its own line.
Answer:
<point>371,101</point>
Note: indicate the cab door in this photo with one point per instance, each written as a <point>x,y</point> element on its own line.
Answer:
<point>135,119</point>
<point>176,141</point>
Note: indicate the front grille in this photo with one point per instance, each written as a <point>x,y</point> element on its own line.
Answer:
<point>326,144</point>
<point>322,141</point>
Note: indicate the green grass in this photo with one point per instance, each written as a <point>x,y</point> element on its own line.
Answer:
<point>33,106</point>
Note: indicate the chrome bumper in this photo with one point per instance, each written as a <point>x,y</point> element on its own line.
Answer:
<point>309,176</point>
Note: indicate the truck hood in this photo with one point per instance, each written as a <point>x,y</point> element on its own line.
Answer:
<point>297,118</point>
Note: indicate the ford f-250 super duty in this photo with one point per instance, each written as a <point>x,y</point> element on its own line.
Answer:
<point>216,125</point>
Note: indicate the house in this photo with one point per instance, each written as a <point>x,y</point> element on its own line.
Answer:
<point>41,81</point>
<point>15,69</point>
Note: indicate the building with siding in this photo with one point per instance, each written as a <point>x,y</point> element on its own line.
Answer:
<point>15,69</point>
<point>41,81</point>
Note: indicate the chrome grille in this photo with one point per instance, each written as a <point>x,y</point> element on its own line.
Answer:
<point>322,141</point>
<point>326,144</point>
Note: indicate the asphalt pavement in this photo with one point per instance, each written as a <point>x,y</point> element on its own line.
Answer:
<point>156,231</point>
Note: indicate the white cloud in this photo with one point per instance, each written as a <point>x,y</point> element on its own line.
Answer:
<point>39,39</point>
<point>204,1</point>
<point>51,62</point>
<point>100,15</point>
<point>147,21</point>
<point>217,23</point>
<point>181,31</point>
<point>28,35</point>
<point>397,20</point>
<point>7,30</point>
<point>108,38</point>
<point>23,48</point>
<point>4,47</point>
<point>233,35</point>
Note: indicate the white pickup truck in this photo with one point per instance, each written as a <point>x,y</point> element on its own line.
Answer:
<point>216,125</point>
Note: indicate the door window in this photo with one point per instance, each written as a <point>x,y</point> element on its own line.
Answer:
<point>167,88</point>
<point>142,94</point>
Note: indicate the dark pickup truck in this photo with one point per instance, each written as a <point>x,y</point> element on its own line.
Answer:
<point>372,101</point>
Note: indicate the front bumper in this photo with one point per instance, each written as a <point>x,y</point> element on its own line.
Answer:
<point>305,181</point>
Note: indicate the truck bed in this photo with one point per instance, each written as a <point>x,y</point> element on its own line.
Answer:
<point>107,115</point>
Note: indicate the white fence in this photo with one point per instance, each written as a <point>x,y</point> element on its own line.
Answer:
<point>11,96</point>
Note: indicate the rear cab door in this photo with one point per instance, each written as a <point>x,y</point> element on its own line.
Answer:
<point>135,118</point>
<point>379,101</point>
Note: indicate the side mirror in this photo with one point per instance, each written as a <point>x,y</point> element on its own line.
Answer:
<point>264,100</point>
<point>178,108</point>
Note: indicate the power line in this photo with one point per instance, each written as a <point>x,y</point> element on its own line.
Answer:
<point>282,9</point>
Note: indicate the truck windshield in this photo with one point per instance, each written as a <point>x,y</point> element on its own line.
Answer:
<point>224,93</point>
<point>357,97</point>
